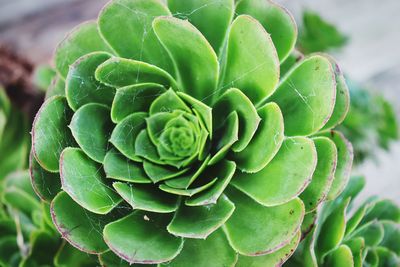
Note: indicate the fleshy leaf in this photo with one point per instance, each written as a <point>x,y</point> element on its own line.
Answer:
<point>273,259</point>
<point>340,257</point>
<point>168,102</point>
<point>202,14</point>
<point>187,192</point>
<point>383,210</point>
<point>127,27</point>
<point>342,102</point>
<point>84,182</point>
<point>109,259</point>
<point>392,236</point>
<point>80,41</point>
<point>81,85</point>
<point>147,197</point>
<point>372,232</point>
<point>213,251</point>
<point>276,20</point>
<point>252,62</point>
<point>91,127</point>
<point>255,230</point>
<point>126,132</point>
<point>121,72</point>
<point>134,98</point>
<point>323,175</point>
<point>159,173</point>
<point>201,221</point>
<point>275,185</point>
<point>266,141</point>
<point>67,255</point>
<point>145,148</point>
<point>142,238</point>
<point>45,184</point>
<point>306,96</point>
<point>50,132</point>
<point>79,227</point>
<point>118,167</point>
<point>235,100</point>
<point>56,88</point>
<point>197,76</point>
<point>344,163</point>
<point>224,171</point>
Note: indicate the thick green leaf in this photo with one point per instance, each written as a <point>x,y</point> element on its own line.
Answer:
<point>306,96</point>
<point>266,141</point>
<point>276,258</point>
<point>80,41</point>
<point>126,132</point>
<point>91,127</point>
<point>188,192</point>
<point>383,210</point>
<point>142,238</point>
<point>43,248</point>
<point>57,87</point>
<point>118,167</point>
<point>147,197</point>
<point>168,102</point>
<point>333,229</point>
<point>391,237</point>
<point>134,98</point>
<point>9,251</point>
<point>45,184</point>
<point>127,27</point>
<point>235,100</point>
<point>197,76</point>
<point>224,171</point>
<point>227,135</point>
<point>121,72</point>
<point>276,20</point>
<point>372,232</point>
<point>357,246</point>
<point>285,177</point>
<point>201,221</point>
<point>214,251</point>
<point>344,163</point>
<point>81,85</point>
<point>290,61</point>
<point>340,257</point>
<point>84,182</point>
<point>254,229</point>
<point>323,175</point>
<point>67,255</point>
<point>202,14</point>
<point>79,227</point>
<point>145,148</point>
<point>252,62</point>
<point>342,102</point>
<point>50,132</point>
<point>159,173</point>
<point>109,259</point>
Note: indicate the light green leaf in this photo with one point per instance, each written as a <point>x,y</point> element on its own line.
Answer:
<point>254,229</point>
<point>133,99</point>
<point>190,191</point>
<point>81,85</point>
<point>50,132</point>
<point>118,167</point>
<point>126,132</point>
<point>235,100</point>
<point>159,173</point>
<point>285,177</point>
<point>213,251</point>
<point>306,96</point>
<point>147,197</point>
<point>82,40</point>
<point>197,76</point>
<point>57,87</point>
<point>127,27</point>
<point>142,238</point>
<point>79,227</point>
<point>201,221</point>
<point>266,141</point>
<point>322,179</point>
<point>276,20</point>
<point>168,102</point>
<point>252,62</point>
<point>84,182</point>
<point>91,127</point>
<point>340,257</point>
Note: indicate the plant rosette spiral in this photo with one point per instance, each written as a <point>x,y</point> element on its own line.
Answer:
<point>169,136</point>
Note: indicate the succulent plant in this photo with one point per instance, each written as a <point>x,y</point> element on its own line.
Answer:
<point>169,137</point>
<point>367,235</point>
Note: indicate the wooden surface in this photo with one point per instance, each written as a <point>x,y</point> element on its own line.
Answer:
<point>372,56</point>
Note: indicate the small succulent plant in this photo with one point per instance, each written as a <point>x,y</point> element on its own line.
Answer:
<point>169,136</point>
<point>347,236</point>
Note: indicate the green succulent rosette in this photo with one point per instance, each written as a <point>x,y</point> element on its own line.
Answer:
<point>169,136</point>
<point>347,234</point>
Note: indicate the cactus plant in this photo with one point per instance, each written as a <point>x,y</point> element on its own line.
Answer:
<point>347,236</point>
<point>178,143</point>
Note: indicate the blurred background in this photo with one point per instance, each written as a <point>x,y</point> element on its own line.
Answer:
<point>365,36</point>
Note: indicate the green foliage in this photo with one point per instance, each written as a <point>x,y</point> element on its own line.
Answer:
<point>165,138</point>
<point>317,35</point>
<point>349,235</point>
